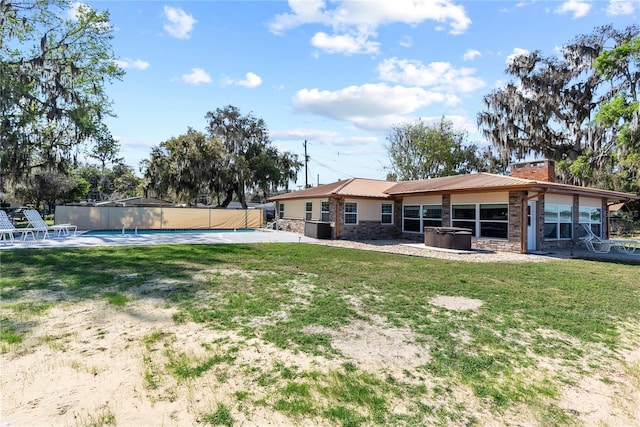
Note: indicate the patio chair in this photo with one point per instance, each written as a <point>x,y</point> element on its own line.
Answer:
<point>603,246</point>
<point>39,224</point>
<point>8,230</point>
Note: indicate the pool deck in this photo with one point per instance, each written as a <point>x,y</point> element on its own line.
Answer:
<point>82,240</point>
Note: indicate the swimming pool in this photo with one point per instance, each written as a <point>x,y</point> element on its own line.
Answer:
<point>129,232</point>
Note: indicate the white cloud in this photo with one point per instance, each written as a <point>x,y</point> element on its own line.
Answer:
<point>578,8</point>
<point>366,100</point>
<point>441,76</point>
<point>361,20</point>
<point>516,52</point>
<point>179,23</point>
<point>322,136</point>
<point>304,12</point>
<point>250,81</point>
<point>136,64</point>
<point>370,106</point>
<point>621,7</point>
<point>471,54</point>
<point>346,44</point>
<point>197,76</point>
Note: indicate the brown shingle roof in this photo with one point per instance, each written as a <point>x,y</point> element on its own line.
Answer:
<point>491,182</point>
<point>455,183</point>
<point>371,188</point>
<point>353,187</point>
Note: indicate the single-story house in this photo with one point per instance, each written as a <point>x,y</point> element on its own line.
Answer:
<point>524,212</point>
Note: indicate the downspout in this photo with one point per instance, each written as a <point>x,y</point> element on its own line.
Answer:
<point>523,220</point>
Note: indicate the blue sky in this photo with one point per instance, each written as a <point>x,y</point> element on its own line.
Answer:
<point>338,73</point>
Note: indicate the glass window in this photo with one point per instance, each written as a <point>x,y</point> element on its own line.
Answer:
<point>494,230</point>
<point>464,216</point>
<point>593,218</point>
<point>565,213</point>
<point>386,213</point>
<point>350,213</point>
<point>494,212</point>
<point>281,210</point>
<point>494,220</point>
<point>324,211</point>
<point>558,223</point>
<point>411,218</point>
<point>431,216</point>
<point>308,210</point>
<point>550,213</point>
<point>416,217</point>
<point>550,230</point>
<point>489,220</point>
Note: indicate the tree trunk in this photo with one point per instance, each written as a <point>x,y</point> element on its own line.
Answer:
<point>227,199</point>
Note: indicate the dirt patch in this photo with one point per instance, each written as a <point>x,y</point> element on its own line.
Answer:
<point>375,345</point>
<point>611,395</point>
<point>456,303</point>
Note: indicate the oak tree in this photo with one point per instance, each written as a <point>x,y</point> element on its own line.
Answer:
<point>549,109</point>
<point>419,151</point>
<point>54,68</point>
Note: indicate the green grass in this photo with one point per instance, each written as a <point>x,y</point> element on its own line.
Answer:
<point>220,417</point>
<point>8,333</point>
<point>290,295</point>
<point>185,366</point>
<point>117,299</point>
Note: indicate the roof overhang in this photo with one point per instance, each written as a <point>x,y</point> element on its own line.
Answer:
<point>500,189</point>
<point>553,188</point>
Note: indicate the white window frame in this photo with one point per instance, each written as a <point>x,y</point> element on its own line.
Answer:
<point>559,221</point>
<point>348,211</point>
<point>308,211</point>
<point>475,224</point>
<point>492,221</point>
<point>281,210</point>
<point>585,216</point>
<point>325,214</point>
<point>384,214</point>
<point>421,217</point>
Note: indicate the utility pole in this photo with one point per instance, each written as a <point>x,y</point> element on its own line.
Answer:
<point>306,167</point>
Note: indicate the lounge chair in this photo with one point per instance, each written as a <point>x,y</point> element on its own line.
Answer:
<point>603,246</point>
<point>8,230</point>
<point>39,224</point>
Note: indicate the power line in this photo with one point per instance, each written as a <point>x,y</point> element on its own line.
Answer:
<point>345,175</point>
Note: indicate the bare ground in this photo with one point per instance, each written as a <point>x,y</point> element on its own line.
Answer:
<point>89,363</point>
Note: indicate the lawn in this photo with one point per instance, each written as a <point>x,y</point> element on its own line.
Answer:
<point>295,334</point>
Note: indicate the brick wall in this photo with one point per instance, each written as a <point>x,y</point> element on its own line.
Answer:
<point>368,230</point>
<point>446,209</point>
<point>495,245</point>
<point>541,170</point>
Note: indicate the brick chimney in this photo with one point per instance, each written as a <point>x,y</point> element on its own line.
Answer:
<point>537,170</point>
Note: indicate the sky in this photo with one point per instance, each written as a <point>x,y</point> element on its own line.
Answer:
<point>338,74</point>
